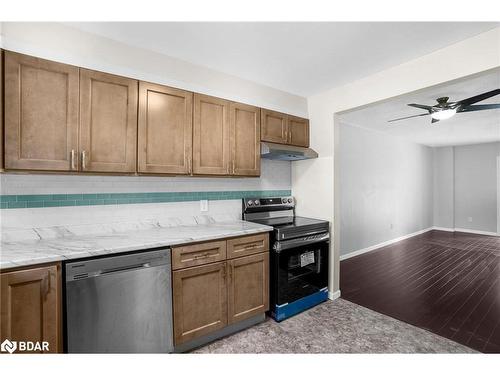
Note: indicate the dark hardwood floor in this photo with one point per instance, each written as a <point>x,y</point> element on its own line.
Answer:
<point>447,283</point>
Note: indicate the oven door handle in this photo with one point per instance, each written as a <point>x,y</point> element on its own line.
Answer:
<point>302,241</point>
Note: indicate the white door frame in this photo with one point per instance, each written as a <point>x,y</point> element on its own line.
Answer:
<point>498,195</point>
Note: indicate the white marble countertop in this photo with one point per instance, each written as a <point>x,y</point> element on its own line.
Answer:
<point>60,243</point>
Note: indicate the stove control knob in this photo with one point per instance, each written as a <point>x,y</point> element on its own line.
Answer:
<point>257,202</point>
<point>290,200</point>
<point>250,203</point>
<point>283,200</point>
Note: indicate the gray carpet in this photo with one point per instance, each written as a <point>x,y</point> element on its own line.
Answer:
<point>335,327</point>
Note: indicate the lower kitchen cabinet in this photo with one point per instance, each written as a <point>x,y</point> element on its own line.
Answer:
<point>248,286</point>
<point>200,301</point>
<point>223,291</point>
<point>31,306</point>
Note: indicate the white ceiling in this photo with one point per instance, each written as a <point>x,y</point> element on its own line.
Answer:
<point>297,57</point>
<point>463,128</point>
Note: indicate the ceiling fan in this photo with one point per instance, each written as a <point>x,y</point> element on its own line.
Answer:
<point>445,109</point>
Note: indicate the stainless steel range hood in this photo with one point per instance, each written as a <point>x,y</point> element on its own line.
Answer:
<point>277,151</point>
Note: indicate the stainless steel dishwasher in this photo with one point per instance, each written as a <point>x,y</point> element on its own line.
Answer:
<point>120,304</point>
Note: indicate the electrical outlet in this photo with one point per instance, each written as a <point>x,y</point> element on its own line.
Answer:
<point>469,219</point>
<point>204,205</point>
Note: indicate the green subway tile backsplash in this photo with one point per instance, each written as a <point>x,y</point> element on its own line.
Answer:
<point>59,200</point>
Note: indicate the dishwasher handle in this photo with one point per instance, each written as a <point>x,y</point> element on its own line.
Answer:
<point>85,269</point>
<point>108,271</point>
<point>126,268</point>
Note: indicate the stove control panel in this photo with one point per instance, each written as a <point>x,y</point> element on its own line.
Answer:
<point>269,204</point>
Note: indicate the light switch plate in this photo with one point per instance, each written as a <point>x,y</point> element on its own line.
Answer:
<point>204,205</point>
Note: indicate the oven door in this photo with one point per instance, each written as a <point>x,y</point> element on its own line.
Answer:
<point>300,270</point>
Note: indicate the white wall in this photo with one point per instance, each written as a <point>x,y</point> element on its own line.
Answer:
<point>390,188</point>
<point>465,187</point>
<point>63,43</point>
<point>444,191</point>
<point>470,56</point>
<point>386,188</point>
<point>476,186</point>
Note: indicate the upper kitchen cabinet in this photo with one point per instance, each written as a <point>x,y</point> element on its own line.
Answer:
<point>1,111</point>
<point>273,126</point>
<point>211,136</point>
<point>298,131</point>
<point>108,122</point>
<point>165,129</point>
<point>41,114</point>
<point>245,140</point>
<point>278,127</point>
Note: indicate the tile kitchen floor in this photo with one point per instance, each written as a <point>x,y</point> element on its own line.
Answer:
<point>335,327</point>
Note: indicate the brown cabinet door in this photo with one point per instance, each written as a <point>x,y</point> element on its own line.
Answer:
<point>248,286</point>
<point>31,306</point>
<point>200,301</point>
<point>41,113</point>
<point>108,122</point>
<point>273,126</point>
<point>210,136</point>
<point>165,129</point>
<point>298,131</point>
<point>1,110</point>
<point>245,140</point>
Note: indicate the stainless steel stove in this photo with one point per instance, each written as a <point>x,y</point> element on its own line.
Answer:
<point>299,255</point>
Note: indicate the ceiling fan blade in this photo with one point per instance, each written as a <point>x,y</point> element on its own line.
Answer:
<point>421,106</point>
<point>404,118</point>
<point>479,107</point>
<point>478,98</point>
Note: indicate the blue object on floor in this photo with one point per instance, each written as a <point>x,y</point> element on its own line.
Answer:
<point>285,311</point>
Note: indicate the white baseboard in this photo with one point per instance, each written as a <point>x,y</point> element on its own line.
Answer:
<point>382,244</point>
<point>466,231</point>
<point>475,231</point>
<point>334,295</point>
<point>444,229</point>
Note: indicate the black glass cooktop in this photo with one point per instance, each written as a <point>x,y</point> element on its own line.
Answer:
<point>288,227</point>
<point>288,221</point>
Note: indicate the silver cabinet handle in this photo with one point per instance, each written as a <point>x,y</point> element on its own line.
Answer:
<point>73,159</point>
<point>189,165</point>
<point>234,168</point>
<point>84,159</point>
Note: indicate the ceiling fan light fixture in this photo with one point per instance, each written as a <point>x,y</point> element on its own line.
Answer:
<point>444,114</point>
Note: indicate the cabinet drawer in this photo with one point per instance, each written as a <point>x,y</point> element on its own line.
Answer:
<point>241,246</point>
<point>198,254</point>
